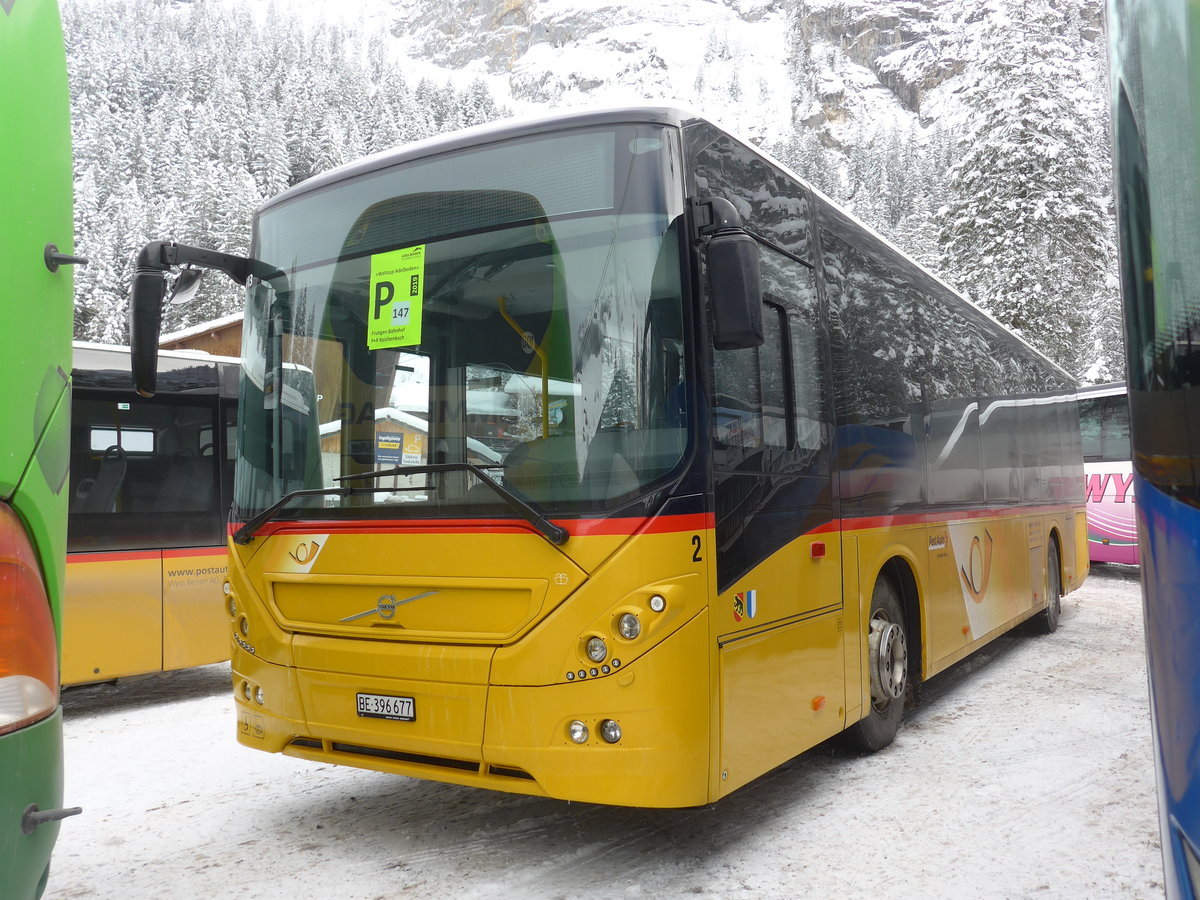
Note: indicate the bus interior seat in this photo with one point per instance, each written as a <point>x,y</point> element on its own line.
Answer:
<point>100,496</point>
<point>190,482</point>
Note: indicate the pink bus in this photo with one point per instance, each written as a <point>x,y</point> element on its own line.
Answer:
<point>1104,422</point>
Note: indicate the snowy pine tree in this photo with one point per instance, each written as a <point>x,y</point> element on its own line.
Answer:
<point>1025,231</point>
<point>187,116</point>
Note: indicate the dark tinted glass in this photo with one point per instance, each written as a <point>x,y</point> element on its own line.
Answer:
<point>144,473</point>
<point>772,204</point>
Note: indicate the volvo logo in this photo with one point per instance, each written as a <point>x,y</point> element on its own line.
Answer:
<point>386,606</point>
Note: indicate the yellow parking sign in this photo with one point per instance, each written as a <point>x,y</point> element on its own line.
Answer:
<point>397,292</point>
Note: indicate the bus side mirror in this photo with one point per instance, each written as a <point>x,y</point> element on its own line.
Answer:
<point>145,321</point>
<point>736,290</point>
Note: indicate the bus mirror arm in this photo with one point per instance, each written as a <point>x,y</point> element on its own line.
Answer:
<point>734,282</point>
<point>163,255</point>
<point>150,291</point>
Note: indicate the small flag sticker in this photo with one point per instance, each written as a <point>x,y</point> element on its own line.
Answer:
<point>745,605</point>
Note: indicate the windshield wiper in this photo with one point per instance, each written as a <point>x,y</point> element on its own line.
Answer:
<point>526,510</point>
<point>245,534</point>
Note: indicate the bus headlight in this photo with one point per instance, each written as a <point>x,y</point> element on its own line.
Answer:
<point>578,732</point>
<point>244,626</point>
<point>597,650</point>
<point>610,731</point>
<point>259,697</point>
<point>628,626</point>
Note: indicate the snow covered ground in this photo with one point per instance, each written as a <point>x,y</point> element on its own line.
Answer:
<point>1025,772</point>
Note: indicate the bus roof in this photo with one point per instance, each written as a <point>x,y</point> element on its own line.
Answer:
<point>1113,389</point>
<point>107,367</point>
<point>478,135</point>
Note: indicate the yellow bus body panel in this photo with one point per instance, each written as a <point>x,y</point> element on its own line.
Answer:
<point>780,633</point>
<point>140,611</point>
<point>976,576</point>
<point>112,616</point>
<point>485,653</point>
<point>195,623</point>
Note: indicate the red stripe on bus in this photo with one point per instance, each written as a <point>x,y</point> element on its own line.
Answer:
<point>133,555</point>
<point>113,556</point>
<point>631,526</point>
<point>574,527</point>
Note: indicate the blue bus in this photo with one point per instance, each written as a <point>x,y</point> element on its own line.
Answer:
<point>1155,58</point>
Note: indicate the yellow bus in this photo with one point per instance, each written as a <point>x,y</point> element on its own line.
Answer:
<point>752,474</point>
<point>151,483</point>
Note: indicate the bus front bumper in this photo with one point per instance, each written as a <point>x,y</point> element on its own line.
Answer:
<point>510,738</point>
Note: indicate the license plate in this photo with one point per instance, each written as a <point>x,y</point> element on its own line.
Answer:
<point>379,706</point>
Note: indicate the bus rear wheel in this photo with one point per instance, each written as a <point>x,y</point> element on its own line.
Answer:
<point>1049,617</point>
<point>887,660</point>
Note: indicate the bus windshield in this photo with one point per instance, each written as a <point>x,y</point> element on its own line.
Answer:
<point>515,307</point>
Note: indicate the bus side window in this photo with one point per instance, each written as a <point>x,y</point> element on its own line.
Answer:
<point>751,395</point>
<point>791,287</point>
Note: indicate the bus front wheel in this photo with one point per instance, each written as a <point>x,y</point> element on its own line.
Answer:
<point>887,660</point>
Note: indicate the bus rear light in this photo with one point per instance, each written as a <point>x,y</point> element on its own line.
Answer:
<point>28,646</point>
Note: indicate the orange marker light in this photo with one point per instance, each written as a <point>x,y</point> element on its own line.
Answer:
<point>818,704</point>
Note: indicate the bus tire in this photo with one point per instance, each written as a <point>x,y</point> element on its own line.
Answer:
<point>887,662</point>
<point>1048,620</point>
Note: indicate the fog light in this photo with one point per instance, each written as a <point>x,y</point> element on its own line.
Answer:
<point>610,731</point>
<point>246,690</point>
<point>658,603</point>
<point>629,626</point>
<point>597,650</point>
<point>260,698</point>
<point>578,732</point>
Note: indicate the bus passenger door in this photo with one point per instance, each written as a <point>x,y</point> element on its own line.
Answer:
<point>112,615</point>
<point>778,614</point>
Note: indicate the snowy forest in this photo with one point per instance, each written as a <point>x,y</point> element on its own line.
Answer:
<point>190,113</point>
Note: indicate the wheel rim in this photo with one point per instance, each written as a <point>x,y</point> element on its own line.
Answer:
<point>888,661</point>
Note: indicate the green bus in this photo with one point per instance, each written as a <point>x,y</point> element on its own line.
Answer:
<point>36,294</point>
